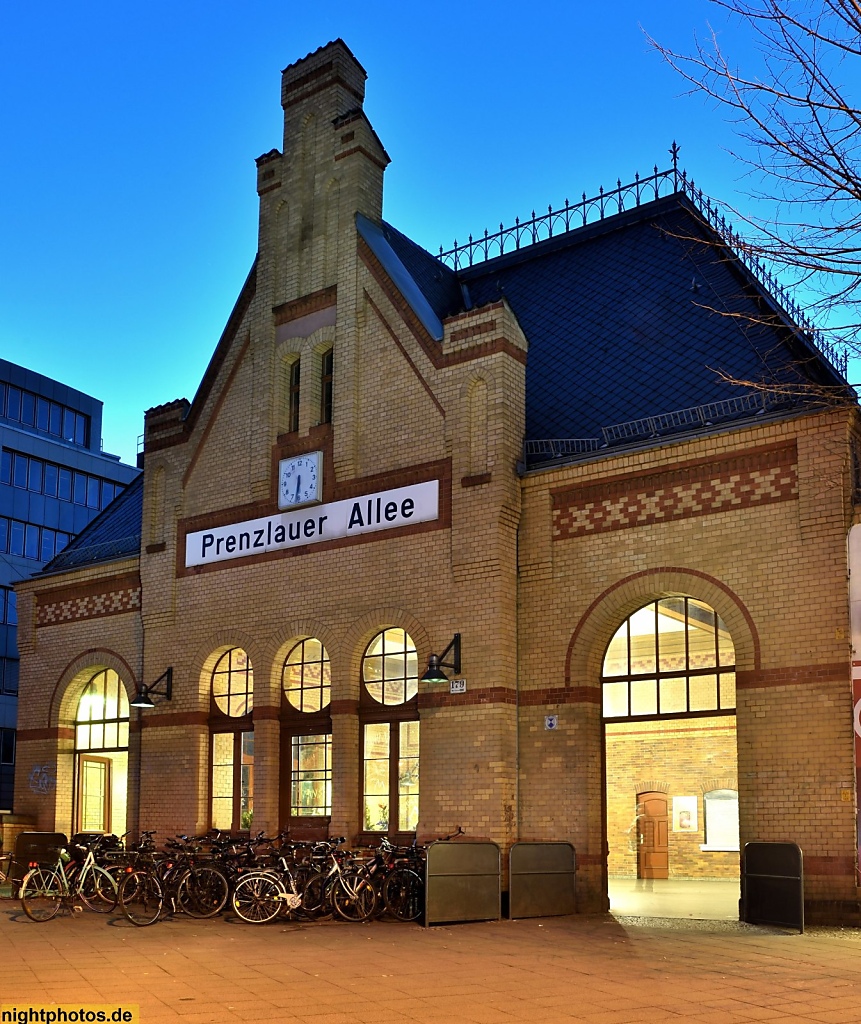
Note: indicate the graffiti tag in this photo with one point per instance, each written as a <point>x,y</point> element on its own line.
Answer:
<point>42,778</point>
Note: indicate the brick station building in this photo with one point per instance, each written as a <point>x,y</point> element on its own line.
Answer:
<point>541,443</point>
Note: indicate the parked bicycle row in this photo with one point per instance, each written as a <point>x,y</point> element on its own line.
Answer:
<point>260,879</point>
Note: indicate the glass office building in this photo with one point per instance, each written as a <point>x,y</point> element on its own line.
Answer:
<point>54,479</point>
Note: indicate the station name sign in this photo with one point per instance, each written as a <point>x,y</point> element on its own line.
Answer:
<point>352,517</point>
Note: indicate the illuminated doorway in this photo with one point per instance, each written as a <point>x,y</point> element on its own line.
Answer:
<point>668,691</point>
<point>101,755</point>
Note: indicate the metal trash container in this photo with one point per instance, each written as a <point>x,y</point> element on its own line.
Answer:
<point>463,882</point>
<point>541,880</point>
<point>772,884</point>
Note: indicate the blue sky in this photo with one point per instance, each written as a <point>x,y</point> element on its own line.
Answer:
<point>129,211</point>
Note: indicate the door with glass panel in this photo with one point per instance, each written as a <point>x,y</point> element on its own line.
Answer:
<point>101,754</point>
<point>94,797</point>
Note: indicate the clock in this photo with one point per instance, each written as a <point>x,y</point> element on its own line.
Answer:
<point>300,480</point>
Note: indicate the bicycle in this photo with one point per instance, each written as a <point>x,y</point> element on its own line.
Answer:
<point>75,876</point>
<point>403,887</point>
<point>8,884</point>
<point>346,888</point>
<point>262,895</point>
<point>179,882</point>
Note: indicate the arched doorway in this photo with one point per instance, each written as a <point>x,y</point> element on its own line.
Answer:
<point>668,702</point>
<point>101,755</point>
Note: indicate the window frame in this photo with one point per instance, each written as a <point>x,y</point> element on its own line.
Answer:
<point>372,712</point>
<point>294,391</point>
<point>122,717</point>
<point>222,723</point>
<point>327,373</point>
<point>297,723</point>
<point>238,736</point>
<point>7,747</point>
<point>713,846</point>
<point>722,671</point>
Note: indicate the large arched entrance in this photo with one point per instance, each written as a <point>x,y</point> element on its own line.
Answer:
<point>668,703</point>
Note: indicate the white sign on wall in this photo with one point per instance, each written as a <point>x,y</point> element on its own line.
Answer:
<point>352,517</point>
<point>685,814</point>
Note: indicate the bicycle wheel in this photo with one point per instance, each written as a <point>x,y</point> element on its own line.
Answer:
<point>404,894</point>
<point>203,891</point>
<point>354,897</point>
<point>317,897</point>
<point>141,897</point>
<point>256,898</point>
<point>41,893</point>
<point>98,890</point>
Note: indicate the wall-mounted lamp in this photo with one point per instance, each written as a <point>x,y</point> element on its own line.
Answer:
<point>142,697</point>
<point>437,662</point>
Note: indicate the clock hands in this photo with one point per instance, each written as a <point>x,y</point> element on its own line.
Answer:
<point>300,480</point>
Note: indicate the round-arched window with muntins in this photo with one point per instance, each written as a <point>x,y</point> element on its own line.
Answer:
<point>102,717</point>
<point>390,667</point>
<point>307,676</point>
<point>671,657</point>
<point>233,683</point>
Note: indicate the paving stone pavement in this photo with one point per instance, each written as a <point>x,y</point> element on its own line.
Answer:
<point>598,970</point>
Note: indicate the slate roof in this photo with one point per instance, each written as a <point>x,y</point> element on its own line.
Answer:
<point>627,318</point>
<point>114,534</point>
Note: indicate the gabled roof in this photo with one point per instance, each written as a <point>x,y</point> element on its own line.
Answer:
<point>113,535</point>
<point>637,315</point>
<point>640,314</point>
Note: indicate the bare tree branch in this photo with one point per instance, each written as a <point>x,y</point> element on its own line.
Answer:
<point>798,113</point>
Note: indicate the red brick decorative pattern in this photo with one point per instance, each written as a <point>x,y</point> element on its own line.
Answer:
<point>756,477</point>
<point>110,601</point>
<point>792,675</point>
<point>482,695</point>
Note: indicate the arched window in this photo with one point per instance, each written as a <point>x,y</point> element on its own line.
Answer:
<point>233,683</point>
<point>720,809</point>
<point>307,727</point>
<point>101,754</point>
<point>232,759</point>
<point>326,375</point>
<point>390,733</point>
<point>390,667</point>
<point>293,400</point>
<point>672,657</point>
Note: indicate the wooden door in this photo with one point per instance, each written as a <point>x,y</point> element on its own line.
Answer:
<point>653,850</point>
<point>94,793</point>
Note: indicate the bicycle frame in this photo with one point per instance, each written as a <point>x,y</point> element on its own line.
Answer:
<point>46,887</point>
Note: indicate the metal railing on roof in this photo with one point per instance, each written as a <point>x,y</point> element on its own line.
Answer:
<point>105,551</point>
<point>556,448</point>
<point>540,227</point>
<point>693,418</point>
<point>681,419</point>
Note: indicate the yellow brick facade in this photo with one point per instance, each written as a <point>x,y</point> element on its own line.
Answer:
<point>536,570</point>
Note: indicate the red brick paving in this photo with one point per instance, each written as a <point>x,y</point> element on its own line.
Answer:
<point>591,969</point>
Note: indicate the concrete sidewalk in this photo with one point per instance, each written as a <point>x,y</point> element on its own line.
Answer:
<point>593,969</point>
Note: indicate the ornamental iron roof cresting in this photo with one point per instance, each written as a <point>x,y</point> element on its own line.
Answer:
<point>658,184</point>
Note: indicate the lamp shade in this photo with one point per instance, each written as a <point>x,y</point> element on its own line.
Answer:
<point>434,673</point>
<point>141,699</point>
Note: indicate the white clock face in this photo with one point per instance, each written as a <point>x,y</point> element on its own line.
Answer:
<point>299,480</point>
